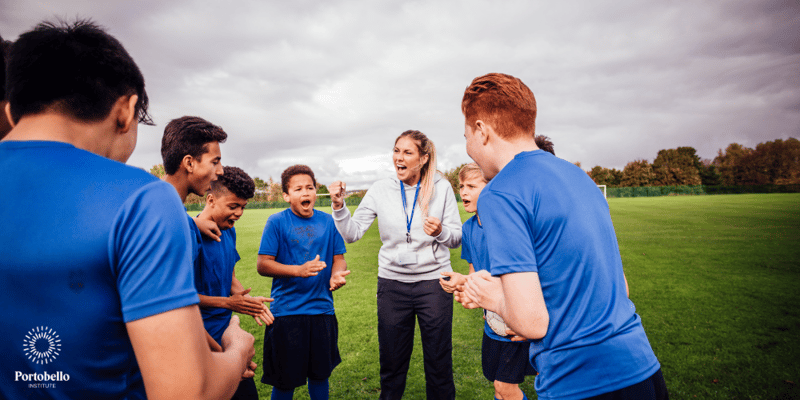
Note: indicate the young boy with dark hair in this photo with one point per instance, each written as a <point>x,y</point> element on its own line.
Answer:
<point>220,292</point>
<point>192,160</point>
<point>503,357</point>
<point>96,288</point>
<point>297,246</point>
<point>560,281</point>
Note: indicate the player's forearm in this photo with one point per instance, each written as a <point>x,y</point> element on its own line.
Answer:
<point>236,286</point>
<point>176,361</point>
<point>523,307</point>
<point>339,264</point>
<point>274,269</point>
<point>213,301</point>
<point>224,371</point>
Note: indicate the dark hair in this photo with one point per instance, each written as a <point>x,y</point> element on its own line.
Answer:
<point>235,181</point>
<point>187,136</point>
<point>299,169</point>
<point>502,101</point>
<point>544,143</point>
<point>76,68</point>
<point>3,61</point>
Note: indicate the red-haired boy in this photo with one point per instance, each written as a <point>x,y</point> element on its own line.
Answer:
<point>552,245</point>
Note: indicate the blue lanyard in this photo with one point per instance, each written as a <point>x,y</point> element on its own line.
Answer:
<point>408,220</point>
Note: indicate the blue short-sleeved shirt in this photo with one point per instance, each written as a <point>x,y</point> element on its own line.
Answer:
<point>111,248</point>
<point>214,278</point>
<point>542,214</point>
<point>197,243</point>
<point>294,240</point>
<point>474,251</point>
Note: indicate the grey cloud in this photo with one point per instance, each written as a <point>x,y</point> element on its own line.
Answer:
<point>321,82</point>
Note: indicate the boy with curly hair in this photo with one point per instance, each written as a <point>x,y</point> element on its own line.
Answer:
<point>220,291</point>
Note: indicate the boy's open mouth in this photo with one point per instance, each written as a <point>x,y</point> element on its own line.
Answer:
<point>466,202</point>
<point>306,203</point>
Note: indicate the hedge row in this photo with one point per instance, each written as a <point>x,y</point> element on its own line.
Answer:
<point>321,202</point>
<point>651,191</point>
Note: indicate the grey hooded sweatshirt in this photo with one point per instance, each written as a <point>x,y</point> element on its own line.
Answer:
<point>383,201</point>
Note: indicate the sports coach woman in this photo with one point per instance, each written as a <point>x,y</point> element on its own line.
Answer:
<point>418,221</point>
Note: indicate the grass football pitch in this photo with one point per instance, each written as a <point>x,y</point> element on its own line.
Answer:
<point>716,280</point>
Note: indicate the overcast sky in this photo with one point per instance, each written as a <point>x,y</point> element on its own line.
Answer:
<point>332,83</point>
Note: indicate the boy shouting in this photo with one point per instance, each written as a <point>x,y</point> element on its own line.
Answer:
<point>304,254</point>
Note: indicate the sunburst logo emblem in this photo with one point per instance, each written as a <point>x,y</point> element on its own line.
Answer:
<point>42,345</point>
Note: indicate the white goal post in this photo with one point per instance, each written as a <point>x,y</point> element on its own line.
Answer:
<point>603,188</point>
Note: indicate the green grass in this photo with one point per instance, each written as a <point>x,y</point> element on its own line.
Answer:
<point>714,278</point>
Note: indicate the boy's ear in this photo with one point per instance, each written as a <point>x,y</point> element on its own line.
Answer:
<point>210,199</point>
<point>188,163</point>
<point>285,197</point>
<point>125,112</point>
<point>7,112</point>
<point>482,130</point>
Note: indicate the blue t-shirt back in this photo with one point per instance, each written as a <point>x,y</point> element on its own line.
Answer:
<point>542,214</point>
<point>293,241</point>
<point>214,278</point>
<point>111,248</point>
<point>475,252</point>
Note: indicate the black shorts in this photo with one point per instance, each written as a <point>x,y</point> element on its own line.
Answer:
<point>300,347</point>
<point>505,361</point>
<point>652,388</point>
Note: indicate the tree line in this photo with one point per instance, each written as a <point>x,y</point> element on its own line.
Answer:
<point>769,163</point>
<point>268,191</point>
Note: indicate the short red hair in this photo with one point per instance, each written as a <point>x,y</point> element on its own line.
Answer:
<point>502,101</point>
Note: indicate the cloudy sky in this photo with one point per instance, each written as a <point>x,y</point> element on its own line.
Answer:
<point>332,83</point>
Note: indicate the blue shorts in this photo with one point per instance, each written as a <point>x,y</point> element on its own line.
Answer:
<point>300,347</point>
<point>505,361</point>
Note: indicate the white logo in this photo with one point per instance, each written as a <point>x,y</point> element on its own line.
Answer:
<point>42,345</point>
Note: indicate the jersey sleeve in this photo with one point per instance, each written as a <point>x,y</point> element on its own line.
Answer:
<point>509,238</point>
<point>150,253</point>
<point>270,239</point>
<point>338,241</point>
